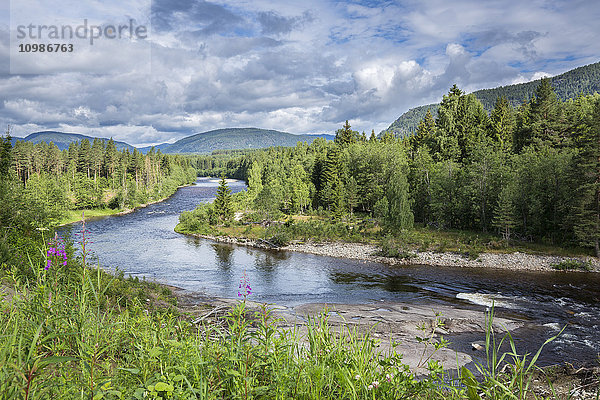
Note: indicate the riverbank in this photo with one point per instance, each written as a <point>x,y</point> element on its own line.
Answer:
<point>369,253</point>
<point>75,215</point>
<point>414,332</point>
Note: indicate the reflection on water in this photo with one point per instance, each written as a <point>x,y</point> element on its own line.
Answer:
<point>223,255</point>
<point>143,243</point>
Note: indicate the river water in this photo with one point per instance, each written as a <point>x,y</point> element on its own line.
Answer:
<point>143,243</point>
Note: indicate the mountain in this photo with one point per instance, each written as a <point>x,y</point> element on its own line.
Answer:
<point>160,147</point>
<point>63,140</point>
<point>201,143</point>
<point>582,80</point>
<point>238,139</point>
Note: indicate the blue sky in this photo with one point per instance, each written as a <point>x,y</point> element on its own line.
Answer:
<point>297,66</point>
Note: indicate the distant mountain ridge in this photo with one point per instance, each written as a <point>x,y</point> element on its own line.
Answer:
<point>238,139</point>
<point>200,143</point>
<point>62,140</point>
<point>582,80</point>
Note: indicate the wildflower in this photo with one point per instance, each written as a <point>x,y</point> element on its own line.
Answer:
<point>370,387</point>
<point>56,253</point>
<point>357,377</point>
<point>375,384</point>
<point>244,287</point>
<point>389,377</point>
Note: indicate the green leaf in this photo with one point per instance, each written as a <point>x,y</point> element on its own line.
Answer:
<point>233,372</point>
<point>155,352</point>
<point>468,379</point>
<point>134,371</point>
<point>163,387</point>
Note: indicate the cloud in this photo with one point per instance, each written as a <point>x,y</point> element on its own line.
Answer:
<point>199,17</point>
<point>273,23</point>
<point>304,68</point>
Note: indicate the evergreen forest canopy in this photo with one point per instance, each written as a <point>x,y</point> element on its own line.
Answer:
<point>530,173</point>
<point>582,80</point>
<point>39,183</point>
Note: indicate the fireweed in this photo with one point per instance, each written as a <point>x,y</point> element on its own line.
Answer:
<point>244,287</point>
<point>56,254</point>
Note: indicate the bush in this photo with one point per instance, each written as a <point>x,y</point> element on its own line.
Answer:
<point>389,248</point>
<point>572,265</point>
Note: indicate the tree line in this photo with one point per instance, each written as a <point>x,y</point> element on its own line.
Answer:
<point>530,173</point>
<point>40,183</point>
<point>583,80</point>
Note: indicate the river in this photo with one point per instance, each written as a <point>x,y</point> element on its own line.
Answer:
<point>143,243</point>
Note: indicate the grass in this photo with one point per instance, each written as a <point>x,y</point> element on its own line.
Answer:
<point>75,332</point>
<point>75,215</point>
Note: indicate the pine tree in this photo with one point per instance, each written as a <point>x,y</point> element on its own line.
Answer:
<point>332,191</point>
<point>587,227</point>
<point>502,123</point>
<point>505,214</point>
<point>372,138</point>
<point>346,135</point>
<point>546,115</point>
<point>223,203</point>
<point>425,134</point>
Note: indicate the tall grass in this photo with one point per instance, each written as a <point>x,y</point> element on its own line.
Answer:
<point>75,332</point>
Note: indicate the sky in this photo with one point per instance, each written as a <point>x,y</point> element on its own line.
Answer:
<point>295,66</point>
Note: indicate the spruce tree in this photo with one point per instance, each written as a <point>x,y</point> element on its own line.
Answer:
<point>587,176</point>
<point>505,214</point>
<point>546,115</point>
<point>223,204</point>
<point>346,135</point>
<point>502,123</point>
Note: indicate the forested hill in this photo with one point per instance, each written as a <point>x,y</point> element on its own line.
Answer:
<point>238,139</point>
<point>62,140</point>
<point>201,143</point>
<point>582,80</point>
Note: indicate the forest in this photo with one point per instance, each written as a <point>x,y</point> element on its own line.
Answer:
<point>582,80</point>
<point>40,184</point>
<point>525,174</point>
<point>72,330</point>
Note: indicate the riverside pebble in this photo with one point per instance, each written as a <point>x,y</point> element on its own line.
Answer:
<point>367,252</point>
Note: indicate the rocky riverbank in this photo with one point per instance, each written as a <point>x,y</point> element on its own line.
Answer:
<point>368,252</point>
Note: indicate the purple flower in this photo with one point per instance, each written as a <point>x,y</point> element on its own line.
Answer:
<point>244,285</point>
<point>56,251</point>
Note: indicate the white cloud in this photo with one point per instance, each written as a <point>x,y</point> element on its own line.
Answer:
<point>296,66</point>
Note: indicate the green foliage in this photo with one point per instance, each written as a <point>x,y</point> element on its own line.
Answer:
<point>223,206</point>
<point>505,375</point>
<point>95,335</point>
<point>584,80</point>
<point>513,173</point>
<point>572,265</point>
<point>399,214</point>
<point>95,175</point>
<point>390,248</point>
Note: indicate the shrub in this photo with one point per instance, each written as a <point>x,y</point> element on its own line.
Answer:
<point>572,265</point>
